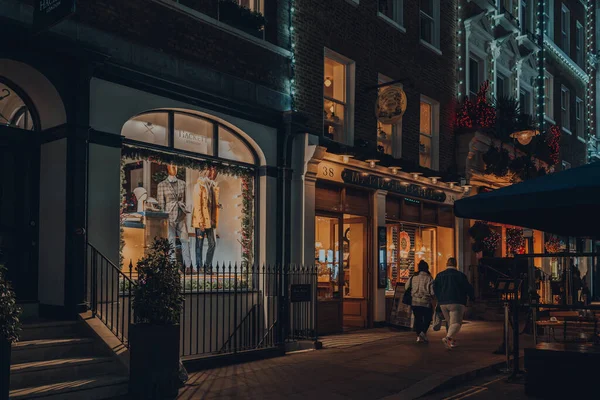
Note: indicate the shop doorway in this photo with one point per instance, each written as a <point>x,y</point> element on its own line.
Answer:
<point>341,254</point>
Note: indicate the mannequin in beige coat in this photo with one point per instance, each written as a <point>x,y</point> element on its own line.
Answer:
<point>205,215</point>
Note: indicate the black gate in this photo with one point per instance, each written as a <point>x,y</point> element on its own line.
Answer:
<point>227,308</point>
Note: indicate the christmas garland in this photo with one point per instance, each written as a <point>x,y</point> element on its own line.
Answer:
<point>492,242</point>
<point>159,157</point>
<point>554,245</point>
<point>247,233</point>
<point>553,142</point>
<point>515,241</point>
<point>481,114</point>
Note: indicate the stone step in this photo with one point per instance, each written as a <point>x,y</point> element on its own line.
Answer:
<point>59,370</point>
<point>50,330</point>
<point>104,387</point>
<point>48,349</point>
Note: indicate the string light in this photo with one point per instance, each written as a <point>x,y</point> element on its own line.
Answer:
<point>293,58</point>
<point>459,31</point>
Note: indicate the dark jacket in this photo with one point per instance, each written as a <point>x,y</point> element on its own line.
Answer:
<point>452,287</point>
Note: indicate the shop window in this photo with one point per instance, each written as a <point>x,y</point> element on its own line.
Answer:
<point>565,110</point>
<point>13,110</point>
<point>430,22</point>
<point>428,133</point>
<point>548,95</point>
<point>204,207</point>
<point>337,97</point>
<point>392,10</point>
<point>327,257</point>
<point>232,148</point>
<point>148,128</point>
<point>193,134</point>
<point>354,255</point>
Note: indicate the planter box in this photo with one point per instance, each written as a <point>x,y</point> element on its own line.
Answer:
<point>4,368</point>
<point>154,361</point>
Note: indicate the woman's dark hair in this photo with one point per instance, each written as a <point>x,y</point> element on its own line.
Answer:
<point>423,266</point>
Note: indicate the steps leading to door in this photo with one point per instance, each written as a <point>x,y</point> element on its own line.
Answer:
<point>58,360</point>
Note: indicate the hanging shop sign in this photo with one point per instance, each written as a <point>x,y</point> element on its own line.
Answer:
<point>404,244</point>
<point>382,244</point>
<point>48,13</point>
<point>392,185</point>
<point>390,105</point>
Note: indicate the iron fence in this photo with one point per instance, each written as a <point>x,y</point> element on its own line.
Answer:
<point>227,308</point>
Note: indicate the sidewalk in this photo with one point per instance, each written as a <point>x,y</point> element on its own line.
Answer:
<point>392,366</point>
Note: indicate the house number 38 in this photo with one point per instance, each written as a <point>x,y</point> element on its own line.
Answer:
<point>328,172</point>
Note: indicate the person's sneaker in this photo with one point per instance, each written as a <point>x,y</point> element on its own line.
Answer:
<point>419,339</point>
<point>453,343</point>
<point>424,337</point>
<point>447,342</point>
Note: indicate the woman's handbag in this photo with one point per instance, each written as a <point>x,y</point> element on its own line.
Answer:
<point>407,296</point>
<point>438,317</point>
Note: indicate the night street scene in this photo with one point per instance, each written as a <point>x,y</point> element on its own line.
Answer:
<point>299,199</point>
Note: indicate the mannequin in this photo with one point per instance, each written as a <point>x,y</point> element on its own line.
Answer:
<point>205,216</point>
<point>141,195</point>
<point>171,199</point>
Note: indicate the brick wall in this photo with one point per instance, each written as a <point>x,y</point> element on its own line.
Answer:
<point>356,32</point>
<point>171,31</point>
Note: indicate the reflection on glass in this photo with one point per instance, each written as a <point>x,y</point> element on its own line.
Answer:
<point>327,257</point>
<point>149,128</point>
<point>384,138</point>
<point>232,148</point>
<point>13,111</point>
<point>334,116</point>
<point>334,99</point>
<point>354,255</point>
<point>193,134</point>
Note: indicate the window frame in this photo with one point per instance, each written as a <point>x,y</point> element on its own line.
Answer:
<point>579,44</point>
<point>435,132</point>
<point>548,96</point>
<point>256,8</point>
<point>565,29</point>
<point>480,74</point>
<point>350,74</point>
<point>397,12</point>
<point>171,142</point>
<point>526,11</point>
<point>549,16</point>
<point>565,114</point>
<point>528,95</point>
<point>579,111</point>
<point>435,22</point>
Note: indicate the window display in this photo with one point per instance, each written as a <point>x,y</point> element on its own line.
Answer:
<point>205,208</point>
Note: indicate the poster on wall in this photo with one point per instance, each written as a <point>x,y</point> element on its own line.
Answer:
<point>204,209</point>
<point>382,262</point>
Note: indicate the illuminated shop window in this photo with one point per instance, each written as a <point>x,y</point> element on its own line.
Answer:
<point>14,112</point>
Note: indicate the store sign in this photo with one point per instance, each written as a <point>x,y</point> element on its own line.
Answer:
<point>382,270</point>
<point>330,171</point>
<point>48,13</point>
<point>392,185</point>
<point>300,293</point>
<point>390,105</point>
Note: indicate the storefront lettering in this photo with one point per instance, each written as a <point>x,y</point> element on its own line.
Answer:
<point>48,13</point>
<point>392,185</point>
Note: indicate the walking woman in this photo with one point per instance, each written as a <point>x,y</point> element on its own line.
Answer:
<point>421,286</point>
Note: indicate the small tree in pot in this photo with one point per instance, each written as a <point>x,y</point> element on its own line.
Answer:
<point>154,338</point>
<point>10,327</point>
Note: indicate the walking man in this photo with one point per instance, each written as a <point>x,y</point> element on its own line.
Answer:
<point>452,288</point>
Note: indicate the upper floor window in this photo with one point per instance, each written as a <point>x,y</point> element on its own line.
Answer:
<point>565,29</point>
<point>502,87</point>
<point>549,18</point>
<point>579,117</point>
<point>526,19</point>
<point>245,15</point>
<point>338,87</point>
<point>14,112</point>
<point>188,132</point>
<point>254,5</point>
<point>476,73</point>
<point>565,110</point>
<point>430,22</point>
<point>393,10</point>
<point>525,101</point>
<point>548,95</point>
<point>507,6</point>
<point>389,136</point>
<point>428,133</point>
<point>579,44</point>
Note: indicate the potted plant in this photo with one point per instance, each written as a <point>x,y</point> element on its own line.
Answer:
<point>154,337</point>
<point>10,327</point>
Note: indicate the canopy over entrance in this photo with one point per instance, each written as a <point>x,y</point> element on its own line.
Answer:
<point>565,203</point>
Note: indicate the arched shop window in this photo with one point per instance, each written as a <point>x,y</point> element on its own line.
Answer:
<point>15,110</point>
<point>191,180</point>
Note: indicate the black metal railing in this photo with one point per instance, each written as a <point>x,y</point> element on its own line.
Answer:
<point>227,308</point>
<point>109,293</point>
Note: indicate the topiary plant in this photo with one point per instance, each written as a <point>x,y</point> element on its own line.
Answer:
<point>157,296</point>
<point>10,325</point>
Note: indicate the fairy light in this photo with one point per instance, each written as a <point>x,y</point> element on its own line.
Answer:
<point>459,32</point>
<point>590,67</point>
<point>293,58</point>
<point>541,81</point>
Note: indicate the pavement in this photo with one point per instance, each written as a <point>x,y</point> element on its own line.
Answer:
<point>492,387</point>
<point>373,364</point>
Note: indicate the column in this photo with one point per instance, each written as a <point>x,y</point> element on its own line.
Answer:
<point>378,220</point>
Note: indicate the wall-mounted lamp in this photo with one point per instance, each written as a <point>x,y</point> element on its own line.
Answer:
<point>434,179</point>
<point>466,188</point>
<point>346,158</point>
<point>372,163</point>
<point>451,184</point>
<point>394,170</point>
<point>416,175</point>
